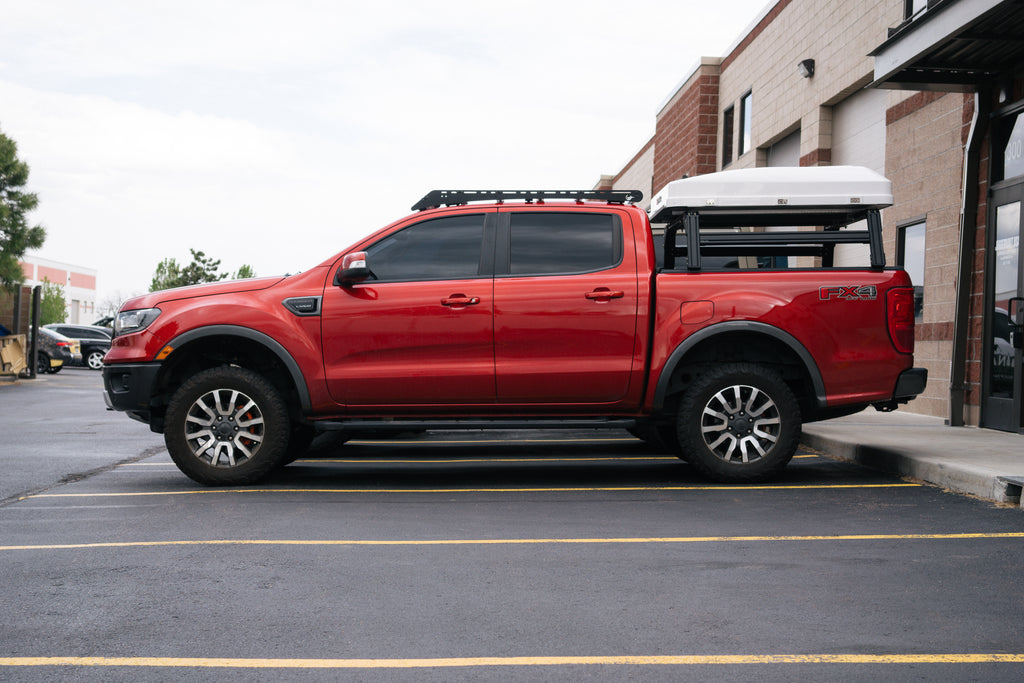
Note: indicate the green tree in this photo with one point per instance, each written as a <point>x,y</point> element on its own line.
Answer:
<point>53,307</point>
<point>244,272</point>
<point>167,275</point>
<point>202,269</point>
<point>16,236</point>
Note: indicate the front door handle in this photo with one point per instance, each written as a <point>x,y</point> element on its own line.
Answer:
<point>604,294</point>
<point>460,300</point>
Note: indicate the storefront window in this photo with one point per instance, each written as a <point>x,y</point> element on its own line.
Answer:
<point>1013,151</point>
<point>1007,248</point>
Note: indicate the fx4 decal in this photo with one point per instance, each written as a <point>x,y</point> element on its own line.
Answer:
<point>849,293</point>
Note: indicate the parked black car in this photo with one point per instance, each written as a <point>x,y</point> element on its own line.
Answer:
<point>95,341</point>
<point>55,351</point>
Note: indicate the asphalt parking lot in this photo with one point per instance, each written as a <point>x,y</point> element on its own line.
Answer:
<point>512,556</point>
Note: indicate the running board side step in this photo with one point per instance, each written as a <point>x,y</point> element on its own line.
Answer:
<point>405,425</point>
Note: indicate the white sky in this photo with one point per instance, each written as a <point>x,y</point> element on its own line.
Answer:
<point>276,133</point>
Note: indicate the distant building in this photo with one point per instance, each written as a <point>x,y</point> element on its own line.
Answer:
<point>79,283</point>
<point>929,93</point>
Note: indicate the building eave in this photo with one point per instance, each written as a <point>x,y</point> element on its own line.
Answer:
<point>953,46</point>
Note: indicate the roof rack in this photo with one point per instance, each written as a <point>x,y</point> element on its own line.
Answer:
<point>437,198</point>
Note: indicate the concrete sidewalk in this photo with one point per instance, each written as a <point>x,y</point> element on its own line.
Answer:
<point>980,462</point>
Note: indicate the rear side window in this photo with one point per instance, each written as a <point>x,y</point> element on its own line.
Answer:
<point>442,249</point>
<point>563,243</point>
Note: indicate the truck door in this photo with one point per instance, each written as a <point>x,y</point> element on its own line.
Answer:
<point>420,330</point>
<point>565,295</point>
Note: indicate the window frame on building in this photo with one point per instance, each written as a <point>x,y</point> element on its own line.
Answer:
<point>746,127</point>
<point>918,266</point>
<point>911,8</point>
<point>728,125</point>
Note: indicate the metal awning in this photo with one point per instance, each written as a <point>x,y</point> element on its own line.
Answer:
<point>952,46</point>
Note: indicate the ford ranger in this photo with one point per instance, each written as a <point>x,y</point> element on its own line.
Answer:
<point>714,333</point>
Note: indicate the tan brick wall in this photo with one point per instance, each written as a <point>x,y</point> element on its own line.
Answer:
<point>924,146</point>
<point>837,35</point>
<point>924,161</point>
<point>638,174</point>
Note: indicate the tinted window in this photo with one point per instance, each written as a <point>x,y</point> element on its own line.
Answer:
<point>442,249</point>
<point>88,334</point>
<point>548,243</point>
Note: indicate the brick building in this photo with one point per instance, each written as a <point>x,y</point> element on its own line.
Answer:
<point>927,92</point>
<point>79,285</point>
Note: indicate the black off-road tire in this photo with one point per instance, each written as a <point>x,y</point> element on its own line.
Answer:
<point>227,426</point>
<point>738,423</point>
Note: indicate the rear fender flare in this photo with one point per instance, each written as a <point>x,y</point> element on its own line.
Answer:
<point>678,356</point>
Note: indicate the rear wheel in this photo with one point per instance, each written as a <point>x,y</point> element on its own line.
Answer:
<point>227,426</point>
<point>739,422</point>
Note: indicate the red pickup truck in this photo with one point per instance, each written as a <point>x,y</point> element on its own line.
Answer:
<point>715,334</point>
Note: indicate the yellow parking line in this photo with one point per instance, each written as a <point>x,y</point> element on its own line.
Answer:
<point>417,461</point>
<point>434,461</point>
<point>567,489</point>
<point>509,442</point>
<point>524,541</point>
<point>359,461</point>
<point>447,662</point>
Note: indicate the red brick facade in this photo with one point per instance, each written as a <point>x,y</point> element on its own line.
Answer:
<point>686,139</point>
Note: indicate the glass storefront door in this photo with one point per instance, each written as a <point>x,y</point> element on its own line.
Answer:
<point>1003,406</point>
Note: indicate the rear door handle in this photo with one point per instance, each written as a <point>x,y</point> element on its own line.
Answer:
<point>460,300</point>
<point>604,294</point>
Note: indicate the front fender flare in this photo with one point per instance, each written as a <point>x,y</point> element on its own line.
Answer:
<point>270,343</point>
<point>677,357</point>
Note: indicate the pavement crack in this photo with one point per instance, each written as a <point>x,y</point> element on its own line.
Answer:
<point>75,477</point>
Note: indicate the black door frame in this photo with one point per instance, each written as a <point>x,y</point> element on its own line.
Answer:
<point>1003,413</point>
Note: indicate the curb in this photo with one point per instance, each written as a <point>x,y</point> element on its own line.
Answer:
<point>972,481</point>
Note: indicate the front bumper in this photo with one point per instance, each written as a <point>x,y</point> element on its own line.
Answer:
<point>129,387</point>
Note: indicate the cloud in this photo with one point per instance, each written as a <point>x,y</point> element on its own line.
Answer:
<point>275,133</point>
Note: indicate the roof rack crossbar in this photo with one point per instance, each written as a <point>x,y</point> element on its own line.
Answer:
<point>437,198</point>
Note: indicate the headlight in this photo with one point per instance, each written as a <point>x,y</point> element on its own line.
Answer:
<point>127,322</point>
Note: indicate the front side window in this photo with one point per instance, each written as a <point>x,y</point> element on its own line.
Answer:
<point>563,243</point>
<point>441,249</point>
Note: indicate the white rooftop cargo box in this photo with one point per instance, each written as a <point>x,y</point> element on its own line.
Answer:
<point>818,189</point>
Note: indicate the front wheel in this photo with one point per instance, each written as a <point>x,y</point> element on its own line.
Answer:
<point>227,426</point>
<point>739,422</point>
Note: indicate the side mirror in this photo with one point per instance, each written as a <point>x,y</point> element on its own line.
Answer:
<point>353,269</point>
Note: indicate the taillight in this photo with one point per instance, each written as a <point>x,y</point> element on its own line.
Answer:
<point>63,343</point>
<point>900,313</point>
